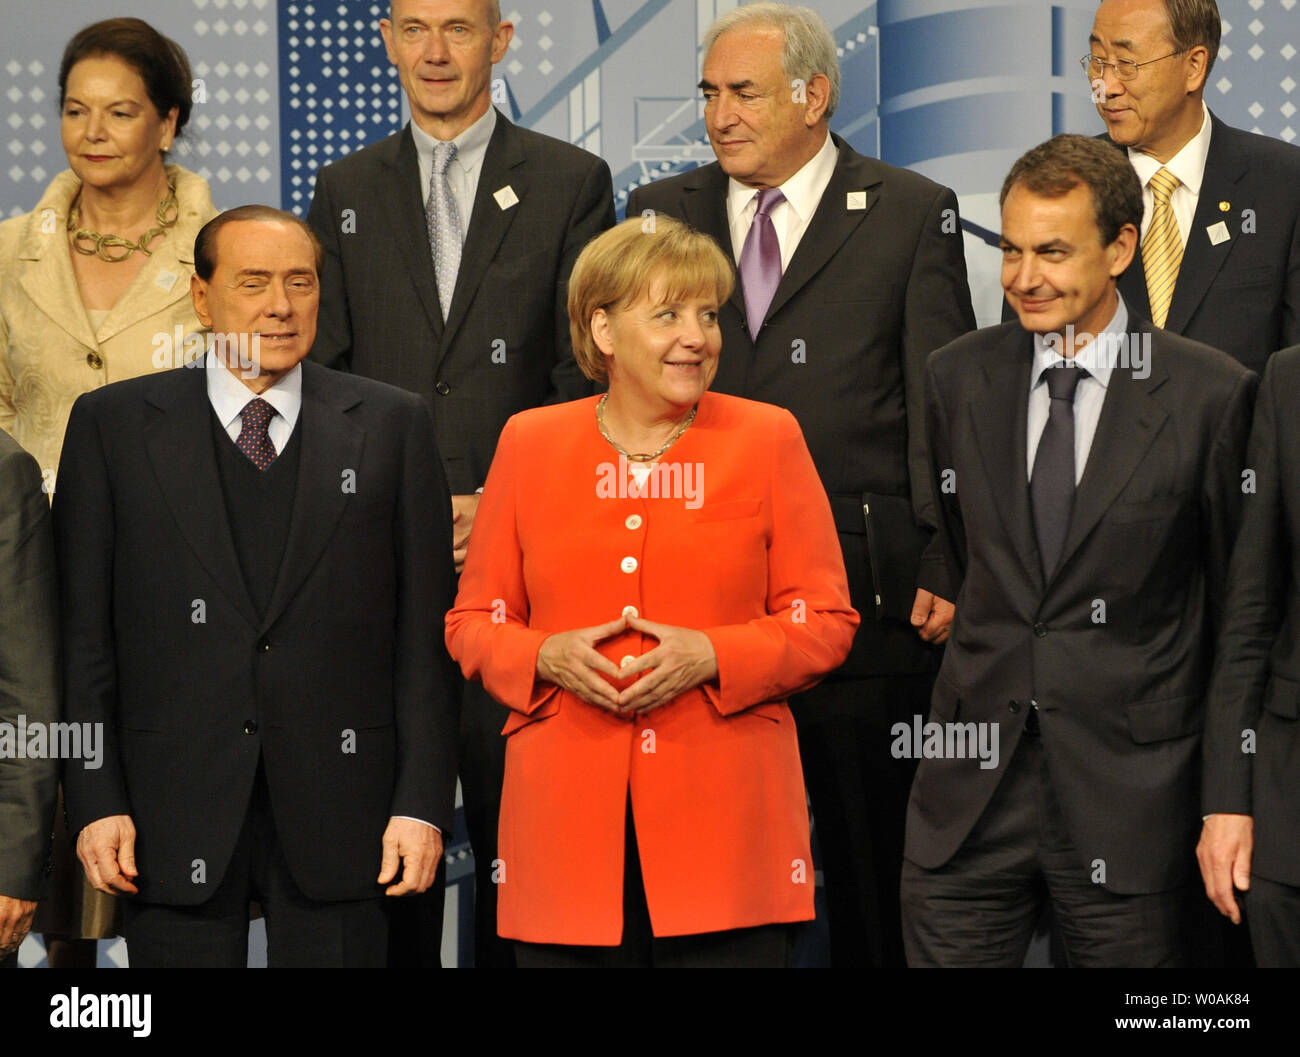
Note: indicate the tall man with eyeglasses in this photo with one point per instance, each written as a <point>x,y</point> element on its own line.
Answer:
<point>1219,259</point>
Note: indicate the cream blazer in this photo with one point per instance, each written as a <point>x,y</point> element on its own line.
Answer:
<point>49,353</point>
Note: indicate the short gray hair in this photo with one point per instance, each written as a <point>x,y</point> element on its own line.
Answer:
<point>806,50</point>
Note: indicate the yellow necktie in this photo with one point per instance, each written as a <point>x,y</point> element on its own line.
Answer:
<point>1162,249</point>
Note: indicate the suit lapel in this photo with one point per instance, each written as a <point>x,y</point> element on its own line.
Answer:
<point>408,227</point>
<point>179,444</point>
<point>502,167</point>
<point>999,416</point>
<point>831,224</point>
<point>330,444</point>
<point>705,209</point>
<point>1130,420</point>
<point>49,280</point>
<point>1202,260</point>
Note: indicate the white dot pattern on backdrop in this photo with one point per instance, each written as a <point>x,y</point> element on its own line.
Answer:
<point>1259,42</point>
<point>338,90</point>
<point>443,219</point>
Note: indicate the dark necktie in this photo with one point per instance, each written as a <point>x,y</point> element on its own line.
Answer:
<point>253,439</point>
<point>1051,488</point>
<point>760,261</point>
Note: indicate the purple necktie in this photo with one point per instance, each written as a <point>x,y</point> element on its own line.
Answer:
<point>760,261</point>
<point>253,439</point>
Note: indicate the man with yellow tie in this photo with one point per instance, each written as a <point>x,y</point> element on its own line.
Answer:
<point>1220,239</point>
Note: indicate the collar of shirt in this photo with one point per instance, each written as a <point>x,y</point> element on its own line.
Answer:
<point>1098,357</point>
<point>471,149</point>
<point>229,396</point>
<point>1188,165</point>
<point>803,192</point>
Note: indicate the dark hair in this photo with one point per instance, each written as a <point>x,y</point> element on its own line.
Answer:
<point>1064,162</point>
<point>160,62</point>
<point>205,242</point>
<point>1194,23</point>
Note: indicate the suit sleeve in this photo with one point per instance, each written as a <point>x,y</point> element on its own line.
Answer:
<point>950,533</point>
<point>28,673</point>
<point>84,543</point>
<point>938,310</point>
<point>1250,617</point>
<point>333,345</point>
<point>487,631</point>
<point>427,691</point>
<point>593,212</point>
<point>1291,295</point>
<point>810,623</point>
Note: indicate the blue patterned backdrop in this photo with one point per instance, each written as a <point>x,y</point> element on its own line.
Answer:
<point>956,89</point>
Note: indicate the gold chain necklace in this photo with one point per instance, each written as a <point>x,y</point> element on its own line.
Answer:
<point>639,456</point>
<point>115,248</point>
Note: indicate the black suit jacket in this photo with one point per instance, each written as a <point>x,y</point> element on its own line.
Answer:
<point>1242,295</point>
<point>505,345</point>
<point>867,296</point>
<point>1116,648</point>
<point>1252,739</point>
<point>29,675</point>
<point>344,687</point>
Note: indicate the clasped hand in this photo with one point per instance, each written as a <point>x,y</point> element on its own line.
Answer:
<point>683,660</point>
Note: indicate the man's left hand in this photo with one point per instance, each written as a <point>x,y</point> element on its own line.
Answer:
<point>417,847</point>
<point>463,509</point>
<point>932,616</point>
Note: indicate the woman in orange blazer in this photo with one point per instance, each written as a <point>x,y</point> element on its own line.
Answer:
<point>651,574</point>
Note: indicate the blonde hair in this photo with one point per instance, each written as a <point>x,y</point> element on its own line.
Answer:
<point>618,267</point>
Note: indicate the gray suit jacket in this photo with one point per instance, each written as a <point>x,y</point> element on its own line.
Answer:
<point>29,657</point>
<point>505,344</point>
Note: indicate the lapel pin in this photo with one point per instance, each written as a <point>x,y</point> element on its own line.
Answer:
<point>1224,206</point>
<point>1218,233</point>
<point>856,200</point>
<point>506,197</point>
<point>165,280</point>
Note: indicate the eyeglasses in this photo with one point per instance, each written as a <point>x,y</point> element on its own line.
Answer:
<point>1125,69</point>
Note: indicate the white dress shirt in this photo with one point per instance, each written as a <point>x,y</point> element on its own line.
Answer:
<point>803,191</point>
<point>463,173</point>
<point>1088,397</point>
<point>1188,165</point>
<point>229,396</point>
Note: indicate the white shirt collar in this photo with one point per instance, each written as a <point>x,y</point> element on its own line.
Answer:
<point>229,396</point>
<point>1098,357</point>
<point>1188,164</point>
<point>803,191</point>
<point>471,145</point>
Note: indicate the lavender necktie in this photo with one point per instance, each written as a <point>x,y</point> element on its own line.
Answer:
<point>760,261</point>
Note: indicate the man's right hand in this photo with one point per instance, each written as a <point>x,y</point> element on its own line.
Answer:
<point>1224,855</point>
<point>15,922</point>
<point>106,849</point>
<point>570,661</point>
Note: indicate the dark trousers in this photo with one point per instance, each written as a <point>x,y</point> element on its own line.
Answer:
<point>980,908</point>
<point>1272,913</point>
<point>859,804</point>
<point>482,774</point>
<point>764,946</point>
<point>300,932</point>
